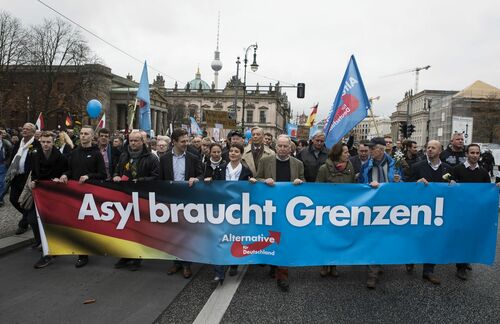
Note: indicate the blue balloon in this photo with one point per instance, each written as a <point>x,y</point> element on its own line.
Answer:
<point>248,134</point>
<point>94,108</point>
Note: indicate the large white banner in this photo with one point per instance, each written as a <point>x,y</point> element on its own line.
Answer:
<point>463,125</point>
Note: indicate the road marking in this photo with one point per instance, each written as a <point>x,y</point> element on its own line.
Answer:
<point>219,301</point>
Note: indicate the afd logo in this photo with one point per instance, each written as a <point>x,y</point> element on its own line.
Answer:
<point>254,244</point>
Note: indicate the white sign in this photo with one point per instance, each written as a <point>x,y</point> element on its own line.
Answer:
<point>462,125</point>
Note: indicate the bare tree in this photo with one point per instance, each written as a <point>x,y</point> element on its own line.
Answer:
<point>12,54</point>
<point>54,45</point>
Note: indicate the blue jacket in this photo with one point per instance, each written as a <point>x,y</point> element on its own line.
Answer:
<point>368,166</point>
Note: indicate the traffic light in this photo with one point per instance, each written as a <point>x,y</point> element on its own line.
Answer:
<point>411,129</point>
<point>301,90</point>
<point>403,128</point>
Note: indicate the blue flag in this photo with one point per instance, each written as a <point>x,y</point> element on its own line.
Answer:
<point>143,98</point>
<point>195,129</point>
<point>291,130</point>
<point>350,106</point>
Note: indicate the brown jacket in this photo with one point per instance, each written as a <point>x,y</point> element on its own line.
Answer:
<point>267,168</point>
<point>248,157</point>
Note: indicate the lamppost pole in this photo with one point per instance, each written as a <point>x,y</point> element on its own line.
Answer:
<point>254,66</point>
<point>236,86</point>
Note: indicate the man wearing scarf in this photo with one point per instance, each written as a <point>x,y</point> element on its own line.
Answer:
<point>380,168</point>
<point>256,151</point>
<point>136,163</point>
<point>280,168</point>
<point>19,170</point>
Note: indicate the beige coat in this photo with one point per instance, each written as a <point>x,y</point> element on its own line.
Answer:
<point>267,168</point>
<point>248,157</point>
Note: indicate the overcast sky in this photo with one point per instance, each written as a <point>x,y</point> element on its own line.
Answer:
<point>299,41</point>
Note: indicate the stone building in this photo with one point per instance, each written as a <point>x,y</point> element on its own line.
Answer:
<point>433,113</point>
<point>26,91</point>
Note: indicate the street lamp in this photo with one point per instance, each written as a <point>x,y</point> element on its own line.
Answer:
<point>254,66</point>
<point>235,103</point>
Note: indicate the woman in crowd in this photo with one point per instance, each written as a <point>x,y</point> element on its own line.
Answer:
<point>215,162</point>
<point>234,170</point>
<point>337,169</point>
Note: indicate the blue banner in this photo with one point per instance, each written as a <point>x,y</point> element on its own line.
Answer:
<point>292,225</point>
<point>350,105</point>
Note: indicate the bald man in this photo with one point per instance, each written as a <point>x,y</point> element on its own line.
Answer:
<point>429,170</point>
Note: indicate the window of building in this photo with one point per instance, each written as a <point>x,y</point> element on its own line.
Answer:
<point>249,116</point>
<point>262,117</point>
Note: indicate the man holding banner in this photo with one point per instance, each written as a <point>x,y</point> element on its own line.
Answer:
<point>180,165</point>
<point>379,169</point>
<point>429,170</point>
<point>280,168</point>
<point>85,163</point>
<point>136,163</point>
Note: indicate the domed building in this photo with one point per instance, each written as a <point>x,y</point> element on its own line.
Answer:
<point>197,83</point>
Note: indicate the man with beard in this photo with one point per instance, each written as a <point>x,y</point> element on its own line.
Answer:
<point>136,163</point>
<point>47,164</point>
<point>19,169</point>
<point>85,163</point>
<point>280,168</point>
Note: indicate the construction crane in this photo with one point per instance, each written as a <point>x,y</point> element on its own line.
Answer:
<point>416,70</point>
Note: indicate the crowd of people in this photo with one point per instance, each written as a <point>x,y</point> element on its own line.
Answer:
<point>28,155</point>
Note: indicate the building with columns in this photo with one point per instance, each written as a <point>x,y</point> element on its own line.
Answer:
<point>25,93</point>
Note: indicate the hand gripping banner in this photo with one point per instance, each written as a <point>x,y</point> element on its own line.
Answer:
<point>242,223</point>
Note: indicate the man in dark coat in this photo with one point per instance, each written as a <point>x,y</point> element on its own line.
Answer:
<point>85,163</point>
<point>136,163</point>
<point>431,169</point>
<point>314,156</point>
<point>47,164</point>
<point>180,165</point>
<point>455,152</point>
<point>110,154</point>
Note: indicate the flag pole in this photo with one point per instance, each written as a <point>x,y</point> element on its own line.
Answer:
<point>131,124</point>
<point>371,113</point>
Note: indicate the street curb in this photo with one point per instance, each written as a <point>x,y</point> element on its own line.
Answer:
<point>14,242</point>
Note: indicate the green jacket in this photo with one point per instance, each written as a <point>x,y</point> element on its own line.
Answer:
<point>328,173</point>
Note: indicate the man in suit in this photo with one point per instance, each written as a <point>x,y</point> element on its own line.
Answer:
<point>256,150</point>
<point>110,154</point>
<point>280,168</point>
<point>180,165</point>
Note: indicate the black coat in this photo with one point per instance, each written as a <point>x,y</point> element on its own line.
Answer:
<point>44,169</point>
<point>148,167</point>
<point>422,169</point>
<point>86,161</point>
<point>193,167</point>
<point>6,152</point>
<point>311,162</point>
<point>219,173</point>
